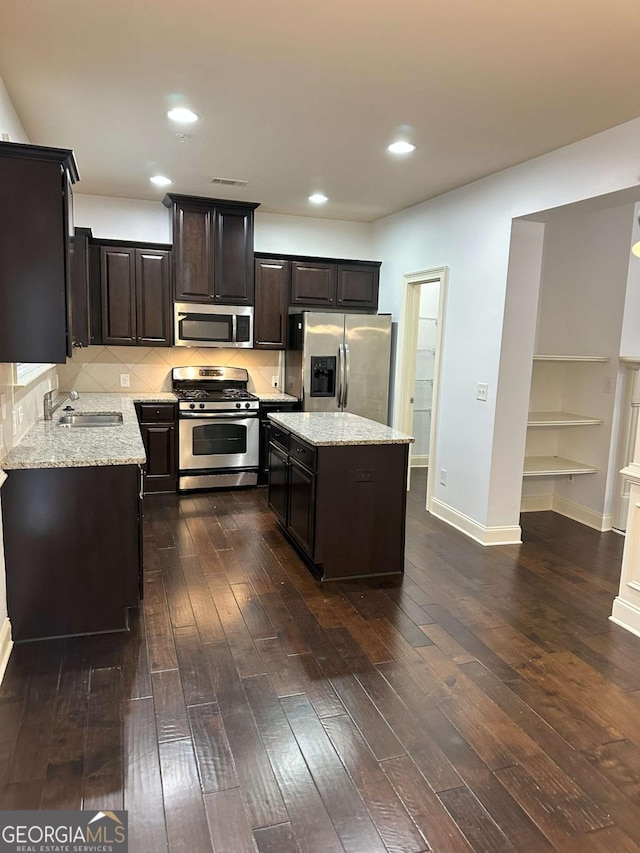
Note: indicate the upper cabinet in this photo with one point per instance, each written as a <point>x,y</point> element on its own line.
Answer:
<point>135,291</point>
<point>348,285</point>
<point>213,250</point>
<point>36,252</point>
<point>272,292</point>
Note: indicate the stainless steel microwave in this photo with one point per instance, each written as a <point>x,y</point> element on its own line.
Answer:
<point>213,325</point>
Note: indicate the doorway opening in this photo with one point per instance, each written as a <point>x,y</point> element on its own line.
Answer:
<point>418,378</point>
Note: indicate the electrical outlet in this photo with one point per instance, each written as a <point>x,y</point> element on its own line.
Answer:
<point>275,381</point>
<point>20,415</point>
<point>125,380</point>
<point>482,391</point>
<point>443,476</point>
<point>14,418</point>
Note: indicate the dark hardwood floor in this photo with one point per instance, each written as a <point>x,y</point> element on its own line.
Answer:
<point>484,702</point>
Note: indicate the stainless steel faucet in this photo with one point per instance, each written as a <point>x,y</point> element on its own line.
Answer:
<point>49,407</point>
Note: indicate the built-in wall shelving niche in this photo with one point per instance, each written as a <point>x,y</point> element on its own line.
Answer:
<point>554,466</point>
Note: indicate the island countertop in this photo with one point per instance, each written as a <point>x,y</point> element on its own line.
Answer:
<point>49,445</point>
<point>328,429</point>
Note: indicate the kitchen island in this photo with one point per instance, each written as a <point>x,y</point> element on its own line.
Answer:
<point>72,523</point>
<point>337,486</point>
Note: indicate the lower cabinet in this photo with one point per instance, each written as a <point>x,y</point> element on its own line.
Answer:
<point>73,551</point>
<point>343,506</point>
<point>158,426</point>
<point>265,433</point>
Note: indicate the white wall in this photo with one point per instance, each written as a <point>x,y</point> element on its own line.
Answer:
<point>9,121</point>
<point>134,219</point>
<point>469,231</point>
<point>630,343</point>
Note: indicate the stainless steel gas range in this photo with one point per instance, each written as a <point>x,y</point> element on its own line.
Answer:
<point>218,427</point>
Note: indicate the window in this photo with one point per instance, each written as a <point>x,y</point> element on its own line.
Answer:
<point>25,373</point>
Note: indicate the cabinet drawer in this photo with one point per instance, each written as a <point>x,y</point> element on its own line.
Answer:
<point>303,453</point>
<point>279,436</point>
<point>156,412</point>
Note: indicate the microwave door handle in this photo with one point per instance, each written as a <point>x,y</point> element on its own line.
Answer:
<point>340,376</point>
<point>347,367</point>
<point>234,328</point>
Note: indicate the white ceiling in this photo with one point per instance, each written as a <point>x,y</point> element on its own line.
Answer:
<point>298,96</point>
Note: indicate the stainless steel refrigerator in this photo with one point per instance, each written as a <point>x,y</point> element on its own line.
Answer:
<point>340,362</point>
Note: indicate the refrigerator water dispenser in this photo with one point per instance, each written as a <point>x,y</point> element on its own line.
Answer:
<point>323,376</point>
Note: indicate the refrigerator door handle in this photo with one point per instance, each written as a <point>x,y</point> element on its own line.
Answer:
<point>347,365</point>
<point>340,374</point>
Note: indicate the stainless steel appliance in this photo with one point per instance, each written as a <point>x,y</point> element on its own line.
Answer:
<point>213,325</point>
<point>340,362</point>
<point>218,428</point>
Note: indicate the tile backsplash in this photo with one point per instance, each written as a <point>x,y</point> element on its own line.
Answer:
<point>99,368</point>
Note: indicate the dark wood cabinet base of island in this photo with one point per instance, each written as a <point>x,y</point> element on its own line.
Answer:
<point>72,549</point>
<point>342,507</point>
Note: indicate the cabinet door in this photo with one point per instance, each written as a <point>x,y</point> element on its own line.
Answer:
<point>153,298</point>
<point>193,252</point>
<point>313,284</point>
<point>117,275</point>
<point>160,445</point>
<point>233,258</point>
<point>278,482</point>
<point>358,285</point>
<point>270,317</point>
<point>302,487</point>
<point>80,300</point>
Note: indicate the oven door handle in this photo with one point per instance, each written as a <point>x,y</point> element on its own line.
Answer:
<point>209,416</point>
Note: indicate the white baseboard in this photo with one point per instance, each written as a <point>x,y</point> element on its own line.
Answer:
<point>420,461</point>
<point>577,512</point>
<point>6,644</point>
<point>478,532</point>
<point>626,615</point>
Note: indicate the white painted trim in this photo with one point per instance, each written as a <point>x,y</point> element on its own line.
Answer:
<point>583,514</point>
<point>478,532</point>
<point>6,644</point>
<point>626,615</point>
<point>407,346</point>
<point>577,512</point>
<point>420,461</point>
<point>536,503</point>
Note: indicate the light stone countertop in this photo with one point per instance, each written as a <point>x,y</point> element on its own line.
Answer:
<point>49,445</point>
<point>326,429</point>
<point>275,397</point>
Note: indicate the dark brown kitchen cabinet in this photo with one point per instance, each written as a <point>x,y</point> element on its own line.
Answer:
<point>80,288</point>
<point>342,506</point>
<point>268,431</point>
<point>271,303</point>
<point>82,570</point>
<point>357,285</point>
<point>36,225</point>
<point>136,296</point>
<point>158,427</point>
<point>213,250</point>
<point>313,284</point>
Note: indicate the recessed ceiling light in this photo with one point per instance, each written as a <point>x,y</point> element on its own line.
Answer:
<point>183,115</point>
<point>160,180</point>
<point>401,147</point>
<point>318,198</point>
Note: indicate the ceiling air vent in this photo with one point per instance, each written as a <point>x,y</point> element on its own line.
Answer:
<point>228,182</point>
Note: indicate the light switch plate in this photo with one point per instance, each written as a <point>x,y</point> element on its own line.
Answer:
<point>482,391</point>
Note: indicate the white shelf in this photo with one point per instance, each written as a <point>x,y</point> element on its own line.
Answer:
<point>600,358</point>
<point>559,419</point>
<point>551,466</point>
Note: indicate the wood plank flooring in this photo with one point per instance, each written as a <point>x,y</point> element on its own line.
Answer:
<point>482,703</point>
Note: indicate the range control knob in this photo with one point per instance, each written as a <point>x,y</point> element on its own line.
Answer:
<point>237,405</point>
<point>192,405</point>
<point>247,405</point>
<point>202,405</point>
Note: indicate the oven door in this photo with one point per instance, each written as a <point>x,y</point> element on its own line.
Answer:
<point>219,440</point>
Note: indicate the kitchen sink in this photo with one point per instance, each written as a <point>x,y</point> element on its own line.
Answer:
<point>101,419</point>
